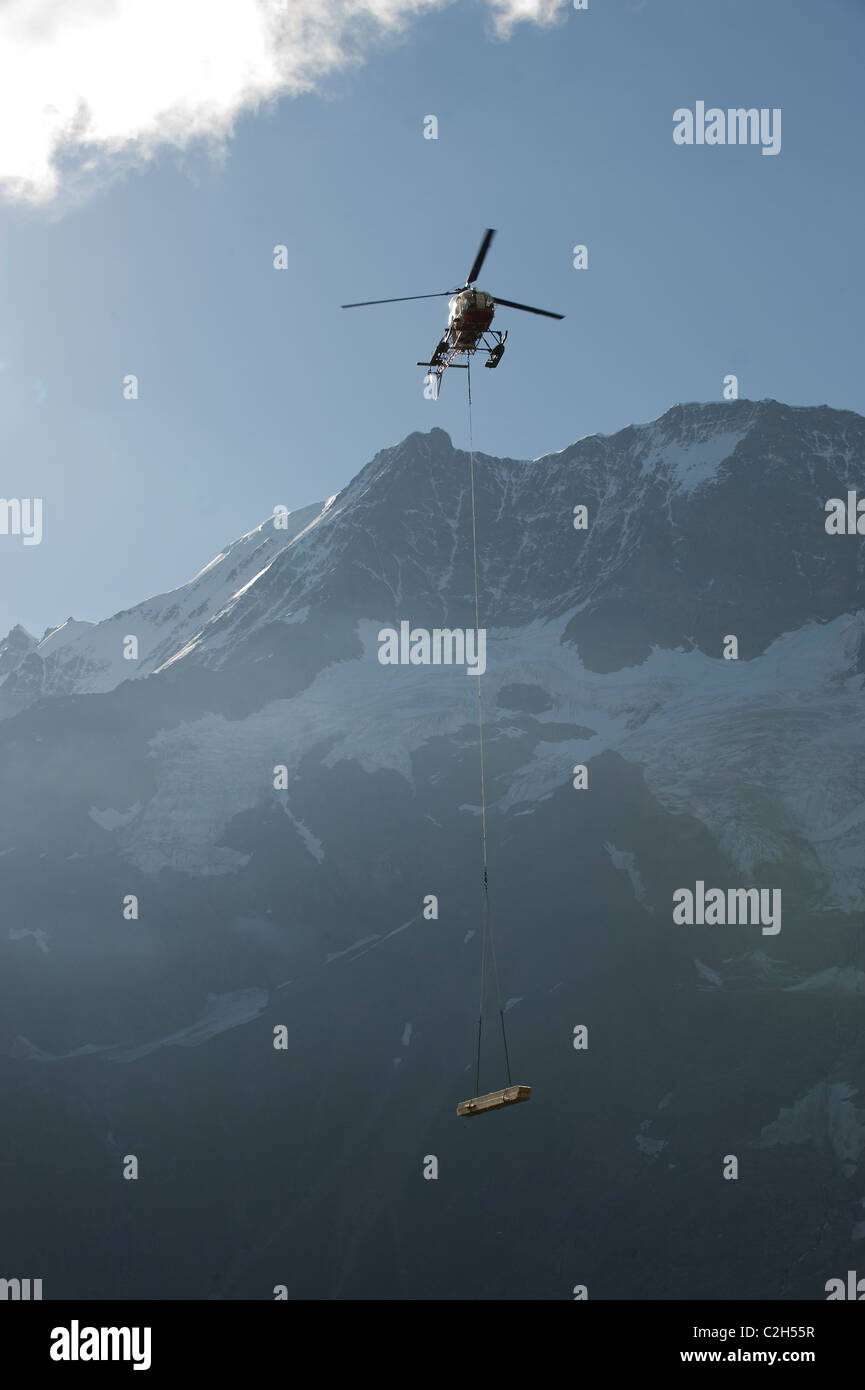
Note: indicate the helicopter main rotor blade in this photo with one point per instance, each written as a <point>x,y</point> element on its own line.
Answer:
<point>481,256</point>
<point>528,308</point>
<point>400,299</point>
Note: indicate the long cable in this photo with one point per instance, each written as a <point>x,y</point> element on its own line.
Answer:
<point>487,927</point>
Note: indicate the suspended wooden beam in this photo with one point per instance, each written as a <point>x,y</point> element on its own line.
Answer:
<point>494,1100</point>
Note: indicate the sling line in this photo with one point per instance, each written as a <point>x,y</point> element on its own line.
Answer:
<point>487,921</point>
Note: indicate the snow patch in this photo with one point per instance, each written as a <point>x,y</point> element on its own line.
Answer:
<point>337,955</point>
<point>625,861</point>
<point>313,844</point>
<point>838,979</point>
<point>109,819</point>
<point>39,936</point>
<point>825,1112</point>
<point>707,973</point>
<point>691,465</point>
<point>650,1147</point>
<point>222,1012</point>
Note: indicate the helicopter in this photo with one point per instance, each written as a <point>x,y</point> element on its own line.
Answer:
<point>470,317</point>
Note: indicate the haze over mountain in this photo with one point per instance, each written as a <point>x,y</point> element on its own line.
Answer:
<point>303,906</point>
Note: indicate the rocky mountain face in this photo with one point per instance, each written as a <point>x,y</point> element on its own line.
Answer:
<point>14,649</point>
<point>278,806</point>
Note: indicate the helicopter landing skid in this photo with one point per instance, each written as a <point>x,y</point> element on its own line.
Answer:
<point>444,356</point>
<point>496,350</point>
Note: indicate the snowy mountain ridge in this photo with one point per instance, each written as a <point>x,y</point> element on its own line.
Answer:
<point>659,497</point>
<point>81,657</point>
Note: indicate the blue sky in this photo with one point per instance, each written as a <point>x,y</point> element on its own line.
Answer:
<point>256,389</point>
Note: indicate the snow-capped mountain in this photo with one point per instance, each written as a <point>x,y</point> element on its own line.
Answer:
<point>691,519</point>
<point>83,658</point>
<point>280,805</point>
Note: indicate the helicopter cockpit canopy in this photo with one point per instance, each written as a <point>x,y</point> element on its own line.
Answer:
<point>467,300</point>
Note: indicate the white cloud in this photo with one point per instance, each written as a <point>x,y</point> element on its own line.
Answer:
<point>85,84</point>
<point>511,12</point>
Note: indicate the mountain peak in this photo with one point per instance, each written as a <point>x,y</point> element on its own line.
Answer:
<point>18,635</point>
<point>65,632</point>
<point>397,542</point>
<point>15,647</point>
